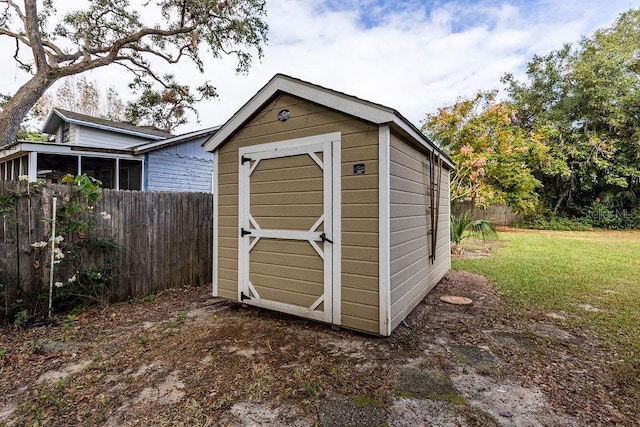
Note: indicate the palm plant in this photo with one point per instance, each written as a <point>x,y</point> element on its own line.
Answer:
<point>464,226</point>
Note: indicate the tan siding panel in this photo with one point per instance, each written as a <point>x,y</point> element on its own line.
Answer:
<point>419,255</point>
<point>359,323</point>
<point>227,222</point>
<point>402,223</point>
<point>412,274</point>
<point>359,182</point>
<point>228,290</point>
<point>357,154</point>
<point>364,239</point>
<point>285,186</point>
<point>358,281</point>
<point>359,226</point>
<point>227,252</point>
<point>287,271</point>
<point>407,186</point>
<point>407,234</point>
<point>361,266</point>
<point>369,253</point>
<point>227,263</point>
<point>281,294</point>
<point>296,123</point>
<point>286,211</point>
<point>228,274</point>
<point>357,294</point>
<point>363,311</point>
<point>283,173</point>
<point>418,244</point>
<point>359,196</point>
<point>362,210</point>
<point>306,198</point>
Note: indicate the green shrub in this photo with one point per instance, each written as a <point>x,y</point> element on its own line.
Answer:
<point>596,216</point>
<point>556,223</point>
<point>604,216</point>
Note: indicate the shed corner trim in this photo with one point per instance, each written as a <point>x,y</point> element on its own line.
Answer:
<point>384,227</point>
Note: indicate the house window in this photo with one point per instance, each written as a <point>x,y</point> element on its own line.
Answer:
<point>66,134</point>
<point>24,165</point>
<point>53,167</point>
<point>100,168</point>
<point>130,175</point>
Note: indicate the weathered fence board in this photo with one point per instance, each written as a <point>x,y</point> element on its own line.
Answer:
<point>165,238</point>
<point>500,214</point>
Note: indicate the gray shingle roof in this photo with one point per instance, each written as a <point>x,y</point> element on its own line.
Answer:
<point>91,121</point>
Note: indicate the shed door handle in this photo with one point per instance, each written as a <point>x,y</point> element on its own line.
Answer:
<point>324,238</point>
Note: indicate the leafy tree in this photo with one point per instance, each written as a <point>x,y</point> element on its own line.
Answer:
<point>165,109</point>
<point>82,96</point>
<point>492,154</point>
<point>587,100</point>
<point>51,46</point>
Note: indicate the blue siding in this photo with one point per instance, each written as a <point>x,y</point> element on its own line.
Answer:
<point>182,167</point>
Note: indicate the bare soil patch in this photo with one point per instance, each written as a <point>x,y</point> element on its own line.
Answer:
<point>185,358</point>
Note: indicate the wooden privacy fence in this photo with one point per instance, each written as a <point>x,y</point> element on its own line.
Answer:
<point>165,238</point>
<point>499,214</point>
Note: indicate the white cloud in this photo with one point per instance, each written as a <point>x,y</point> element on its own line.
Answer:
<point>413,56</point>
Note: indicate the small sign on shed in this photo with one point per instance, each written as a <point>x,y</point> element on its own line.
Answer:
<point>358,169</point>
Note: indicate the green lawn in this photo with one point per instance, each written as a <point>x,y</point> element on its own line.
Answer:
<point>538,272</point>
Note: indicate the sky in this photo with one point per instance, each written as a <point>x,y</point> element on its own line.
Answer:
<point>410,55</point>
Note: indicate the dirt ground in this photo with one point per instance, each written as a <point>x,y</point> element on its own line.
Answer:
<point>185,358</point>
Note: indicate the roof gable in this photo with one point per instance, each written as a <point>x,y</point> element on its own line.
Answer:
<point>58,115</point>
<point>180,139</point>
<point>351,105</point>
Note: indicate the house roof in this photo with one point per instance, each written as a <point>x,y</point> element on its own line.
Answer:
<point>58,115</point>
<point>369,111</point>
<point>157,145</point>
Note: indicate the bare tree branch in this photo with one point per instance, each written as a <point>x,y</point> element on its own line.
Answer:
<point>110,32</point>
<point>17,58</point>
<point>32,25</point>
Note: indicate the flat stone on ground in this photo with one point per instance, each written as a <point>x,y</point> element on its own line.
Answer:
<point>456,300</point>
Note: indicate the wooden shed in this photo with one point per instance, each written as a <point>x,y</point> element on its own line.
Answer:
<point>327,206</point>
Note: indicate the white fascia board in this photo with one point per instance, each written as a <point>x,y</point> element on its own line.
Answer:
<point>13,151</point>
<point>146,146</point>
<point>337,101</point>
<point>318,95</point>
<point>116,130</point>
<point>62,117</point>
<point>420,138</point>
<point>52,113</point>
<point>70,150</point>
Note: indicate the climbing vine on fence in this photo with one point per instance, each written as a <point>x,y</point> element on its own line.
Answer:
<point>84,259</point>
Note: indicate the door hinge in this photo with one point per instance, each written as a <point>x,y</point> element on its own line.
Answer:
<point>244,297</point>
<point>244,159</point>
<point>244,232</point>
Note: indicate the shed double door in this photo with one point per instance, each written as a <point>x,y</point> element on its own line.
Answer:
<point>286,228</point>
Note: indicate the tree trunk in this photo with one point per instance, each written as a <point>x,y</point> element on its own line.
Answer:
<point>16,109</point>
<point>565,193</point>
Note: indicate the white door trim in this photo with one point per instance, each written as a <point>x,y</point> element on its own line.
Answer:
<point>329,144</point>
